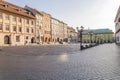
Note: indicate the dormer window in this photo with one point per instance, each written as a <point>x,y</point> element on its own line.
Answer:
<point>6,5</point>
<point>29,13</point>
<point>19,10</point>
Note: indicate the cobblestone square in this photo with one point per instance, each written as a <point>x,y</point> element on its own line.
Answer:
<point>60,62</point>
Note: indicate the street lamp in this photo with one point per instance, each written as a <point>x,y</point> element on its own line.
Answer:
<point>80,30</point>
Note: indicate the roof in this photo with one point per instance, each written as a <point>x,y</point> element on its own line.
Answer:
<point>55,19</point>
<point>45,13</point>
<point>34,11</point>
<point>6,6</point>
<point>97,31</point>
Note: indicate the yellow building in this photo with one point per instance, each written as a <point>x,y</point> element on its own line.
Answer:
<point>46,26</point>
<point>16,25</point>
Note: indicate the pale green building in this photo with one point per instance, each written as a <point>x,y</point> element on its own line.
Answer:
<point>97,36</point>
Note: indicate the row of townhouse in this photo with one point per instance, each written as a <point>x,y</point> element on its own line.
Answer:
<point>25,26</point>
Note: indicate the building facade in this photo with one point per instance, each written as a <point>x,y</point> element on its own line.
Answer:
<point>46,26</point>
<point>65,34</point>
<point>61,31</point>
<point>16,25</point>
<point>72,35</point>
<point>98,36</point>
<point>26,26</point>
<point>117,27</point>
<point>39,30</point>
<point>55,30</point>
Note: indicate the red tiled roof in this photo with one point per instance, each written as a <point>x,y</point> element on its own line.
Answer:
<point>6,6</point>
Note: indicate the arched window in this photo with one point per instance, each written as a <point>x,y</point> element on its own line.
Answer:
<point>32,40</point>
<point>6,39</point>
<point>45,39</point>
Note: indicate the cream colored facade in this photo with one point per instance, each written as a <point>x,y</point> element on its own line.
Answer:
<point>61,31</point>
<point>29,31</point>
<point>26,26</point>
<point>65,34</point>
<point>39,30</point>
<point>55,30</point>
<point>15,29</point>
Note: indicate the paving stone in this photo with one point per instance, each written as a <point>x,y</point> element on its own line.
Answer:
<point>60,62</point>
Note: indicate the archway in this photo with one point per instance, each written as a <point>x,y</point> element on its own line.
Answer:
<point>6,39</point>
<point>46,39</point>
<point>32,40</point>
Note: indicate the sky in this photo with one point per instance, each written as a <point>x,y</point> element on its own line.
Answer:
<point>92,14</point>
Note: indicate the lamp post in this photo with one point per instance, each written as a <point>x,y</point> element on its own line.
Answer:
<point>80,30</point>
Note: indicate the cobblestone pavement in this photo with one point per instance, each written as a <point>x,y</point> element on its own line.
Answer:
<point>60,62</point>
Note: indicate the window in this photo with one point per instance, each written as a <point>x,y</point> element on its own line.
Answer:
<point>7,17</point>
<point>117,38</point>
<point>27,37</point>
<point>29,13</point>
<point>27,21</point>
<point>6,5</point>
<point>119,20</point>
<point>32,22</point>
<point>32,30</point>
<point>17,38</point>
<point>7,27</point>
<point>40,27</point>
<point>37,31</point>
<point>19,10</point>
<point>14,28</point>
<point>20,29</point>
<point>0,15</point>
<point>14,19</point>
<point>27,30</point>
<point>0,26</point>
<point>19,20</point>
